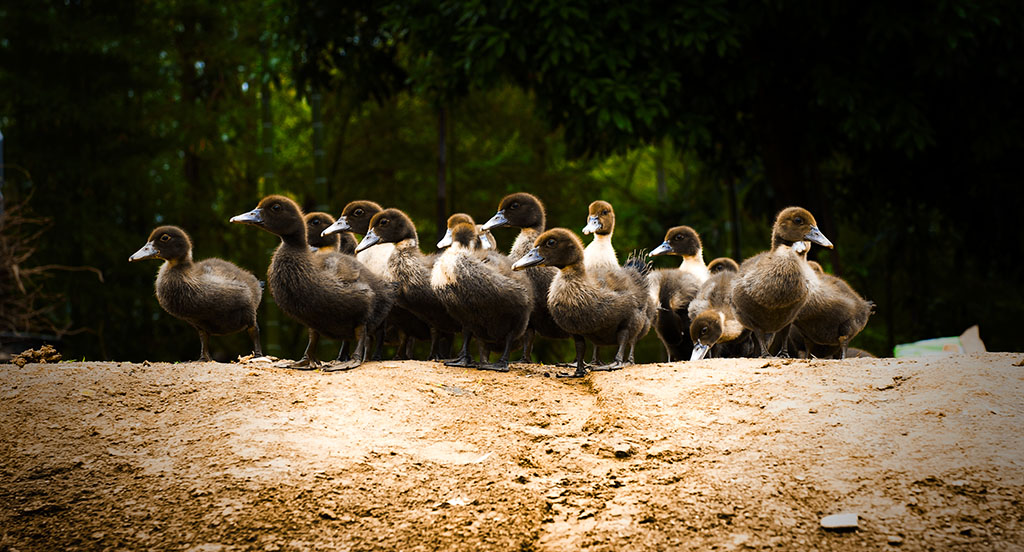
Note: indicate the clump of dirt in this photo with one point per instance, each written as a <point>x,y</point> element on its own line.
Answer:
<point>45,354</point>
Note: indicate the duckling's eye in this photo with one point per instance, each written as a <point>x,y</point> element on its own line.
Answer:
<point>605,212</point>
<point>383,222</point>
<point>798,220</point>
<point>165,237</point>
<point>275,207</point>
<point>677,237</point>
<point>315,222</point>
<point>515,205</point>
<point>551,242</point>
<point>358,212</point>
<point>704,330</point>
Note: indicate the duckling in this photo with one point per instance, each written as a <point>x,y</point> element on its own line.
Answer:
<point>614,311</point>
<point>525,211</point>
<point>772,286</point>
<point>673,289</point>
<point>713,325</point>
<point>343,242</point>
<point>355,217</point>
<point>832,316</point>
<point>484,239</point>
<point>411,270</point>
<point>332,294</point>
<point>213,295</point>
<point>599,255</point>
<point>723,263</point>
<point>483,293</point>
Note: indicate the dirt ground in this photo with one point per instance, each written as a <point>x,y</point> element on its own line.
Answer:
<point>718,454</point>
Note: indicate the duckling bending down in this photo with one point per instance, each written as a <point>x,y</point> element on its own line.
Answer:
<point>214,296</point>
<point>714,328</point>
<point>342,242</point>
<point>673,289</point>
<point>832,316</point>
<point>484,239</point>
<point>772,286</point>
<point>722,264</point>
<point>525,211</point>
<point>483,293</point>
<point>355,217</point>
<point>616,310</point>
<point>410,269</point>
<point>332,294</point>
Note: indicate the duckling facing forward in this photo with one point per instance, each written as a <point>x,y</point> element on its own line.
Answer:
<point>484,239</point>
<point>525,211</point>
<point>483,293</point>
<point>342,242</point>
<point>599,255</point>
<point>772,286</point>
<point>332,294</point>
<point>614,311</point>
<point>213,295</point>
<point>722,264</point>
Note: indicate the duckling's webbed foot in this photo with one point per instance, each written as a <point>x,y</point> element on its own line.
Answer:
<point>342,366</point>
<point>581,367</point>
<point>617,365</point>
<point>306,363</point>
<point>464,360</point>
<point>498,366</point>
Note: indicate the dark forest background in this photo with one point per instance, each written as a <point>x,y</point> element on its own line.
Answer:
<point>899,125</point>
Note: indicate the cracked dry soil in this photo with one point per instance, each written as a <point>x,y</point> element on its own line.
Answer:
<point>717,454</point>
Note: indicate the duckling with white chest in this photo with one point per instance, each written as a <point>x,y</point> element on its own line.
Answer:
<point>483,293</point>
<point>614,311</point>
<point>674,288</point>
<point>484,239</point>
<point>332,294</point>
<point>213,295</point>
<point>772,286</point>
<point>599,255</point>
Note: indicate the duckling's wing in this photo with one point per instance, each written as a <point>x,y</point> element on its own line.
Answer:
<point>340,267</point>
<point>228,279</point>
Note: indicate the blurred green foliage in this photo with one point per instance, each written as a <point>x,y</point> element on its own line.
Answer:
<point>900,127</point>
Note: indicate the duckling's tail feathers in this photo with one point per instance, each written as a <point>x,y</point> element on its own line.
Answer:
<point>637,266</point>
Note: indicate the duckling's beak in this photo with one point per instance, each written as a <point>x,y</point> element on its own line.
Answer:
<point>699,350</point>
<point>371,238</point>
<point>593,225</point>
<point>148,251</point>
<point>533,258</point>
<point>254,217</point>
<point>340,225</point>
<point>663,249</point>
<point>497,220</point>
<point>446,240</point>
<point>485,242</point>
<point>817,237</point>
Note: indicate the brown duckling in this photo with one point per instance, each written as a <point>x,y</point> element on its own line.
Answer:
<point>483,293</point>
<point>525,211</point>
<point>674,288</point>
<point>332,294</point>
<point>484,239</point>
<point>723,263</point>
<point>355,217</point>
<point>599,255</point>
<point>772,286</point>
<point>410,269</point>
<point>714,327</point>
<point>316,223</point>
<point>616,310</point>
<point>832,316</point>
<point>213,295</point>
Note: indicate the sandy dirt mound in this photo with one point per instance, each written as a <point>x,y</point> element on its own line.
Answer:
<point>726,454</point>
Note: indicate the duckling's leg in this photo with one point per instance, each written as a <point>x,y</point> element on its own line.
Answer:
<point>502,364</point>
<point>784,335</point>
<point>254,335</point>
<point>342,354</point>
<point>464,359</point>
<point>527,357</point>
<point>435,353</point>
<point>309,361</point>
<point>204,340</point>
<point>619,355</point>
<point>581,367</point>
<point>358,353</point>
<point>762,340</point>
<point>844,341</point>
<point>401,353</point>
<point>594,361</point>
<point>378,337</point>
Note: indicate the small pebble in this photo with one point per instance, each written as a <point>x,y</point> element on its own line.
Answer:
<point>839,522</point>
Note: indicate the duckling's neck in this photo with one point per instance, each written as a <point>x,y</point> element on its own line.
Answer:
<point>575,271</point>
<point>297,239</point>
<point>183,263</point>
<point>524,242</point>
<point>694,264</point>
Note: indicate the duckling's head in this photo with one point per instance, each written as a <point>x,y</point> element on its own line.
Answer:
<point>557,247</point>
<point>723,264</point>
<point>600,219</point>
<point>680,240</point>
<point>464,236</point>
<point>388,226</point>
<point>795,224</point>
<point>315,225</point>
<point>705,331</point>
<point>169,243</point>
<point>816,267</point>
<point>355,217</point>
<point>453,220</point>
<point>276,214</point>
<point>521,210</point>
